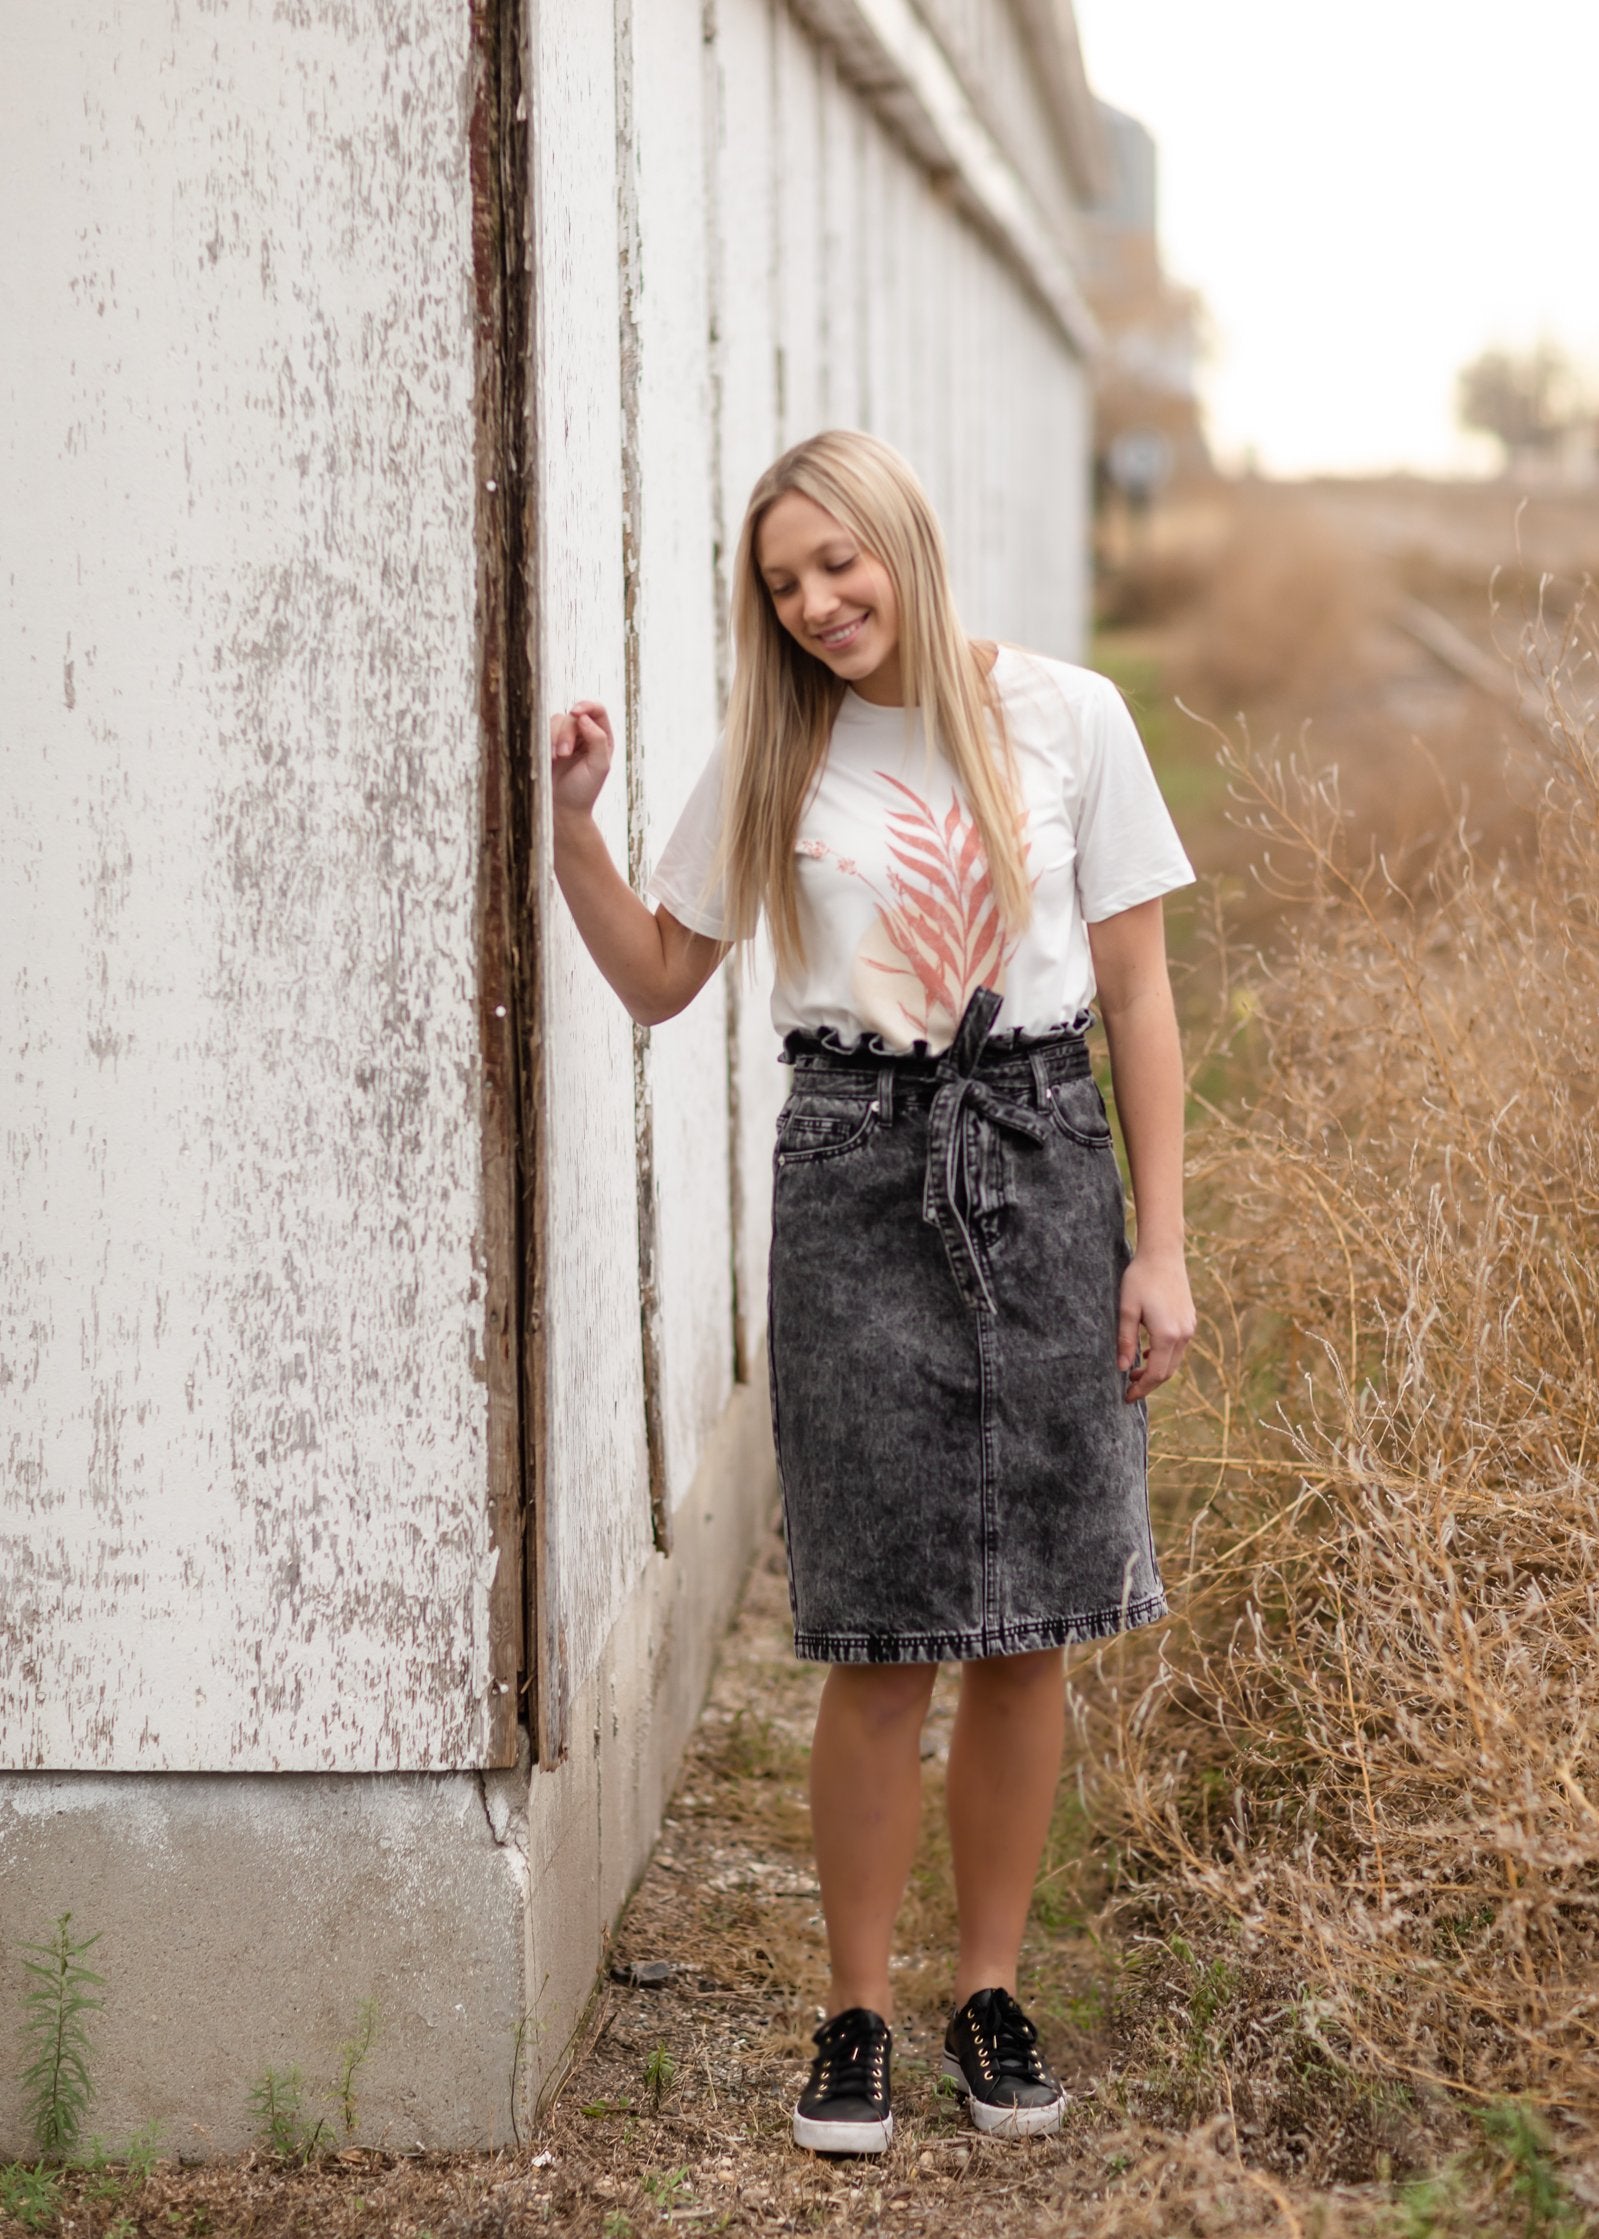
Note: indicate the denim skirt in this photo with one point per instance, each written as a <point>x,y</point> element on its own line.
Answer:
<point>961,1474</point>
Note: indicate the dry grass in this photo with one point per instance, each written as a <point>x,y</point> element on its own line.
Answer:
<point>1362,1780</point>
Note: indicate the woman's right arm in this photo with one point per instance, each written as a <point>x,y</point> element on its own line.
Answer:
<point>656,965</point>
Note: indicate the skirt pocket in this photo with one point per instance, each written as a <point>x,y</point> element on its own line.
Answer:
<point>1078,1111</point>
<point>812,1126</point>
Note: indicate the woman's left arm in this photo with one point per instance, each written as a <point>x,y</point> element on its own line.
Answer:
<point>1135,1002</point>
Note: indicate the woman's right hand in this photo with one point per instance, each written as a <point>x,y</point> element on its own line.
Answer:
<point>581,749</point>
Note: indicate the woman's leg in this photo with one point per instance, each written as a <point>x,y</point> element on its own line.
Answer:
<point>866,1789</point>
<point>1004,1764</point>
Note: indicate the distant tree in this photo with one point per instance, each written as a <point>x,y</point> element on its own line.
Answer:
<point>1527,400</point>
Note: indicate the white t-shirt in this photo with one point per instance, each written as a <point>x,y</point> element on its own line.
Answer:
<point>898,924</point>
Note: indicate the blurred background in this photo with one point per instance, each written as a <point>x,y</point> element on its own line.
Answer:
<point>1382,212</point>
<point>1347,406</point>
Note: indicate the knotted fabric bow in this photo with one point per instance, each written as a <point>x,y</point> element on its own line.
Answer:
<point>956,1192</point>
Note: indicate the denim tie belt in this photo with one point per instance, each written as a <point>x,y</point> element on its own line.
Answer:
<point>961,1186</point>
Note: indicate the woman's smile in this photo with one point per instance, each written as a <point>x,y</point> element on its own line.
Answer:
<point>813,563</point>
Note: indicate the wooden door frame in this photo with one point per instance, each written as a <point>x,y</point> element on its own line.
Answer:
<point>509,897</point>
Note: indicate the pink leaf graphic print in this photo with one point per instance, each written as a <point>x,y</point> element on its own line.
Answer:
<point>940,919</point>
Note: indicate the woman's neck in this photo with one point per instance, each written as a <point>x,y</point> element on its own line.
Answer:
<point>885,687</point>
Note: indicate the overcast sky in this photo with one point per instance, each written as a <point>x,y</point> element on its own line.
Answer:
<point>1366,195</point>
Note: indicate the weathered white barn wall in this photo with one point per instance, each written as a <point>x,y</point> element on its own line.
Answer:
<point>465,1904</point>
<point>245,1437</point>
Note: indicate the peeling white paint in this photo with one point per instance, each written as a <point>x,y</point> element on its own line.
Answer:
<point>243,1445</point>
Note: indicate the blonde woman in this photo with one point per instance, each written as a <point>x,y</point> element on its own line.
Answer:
<point>956,845</point>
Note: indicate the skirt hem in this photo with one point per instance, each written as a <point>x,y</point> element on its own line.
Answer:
<point>1019,1639</point>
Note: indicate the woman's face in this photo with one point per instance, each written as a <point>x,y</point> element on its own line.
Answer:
<point>830,594</point>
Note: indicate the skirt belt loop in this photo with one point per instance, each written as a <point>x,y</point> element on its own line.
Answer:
<point>885,1094</point>
<point>1040,1080</point>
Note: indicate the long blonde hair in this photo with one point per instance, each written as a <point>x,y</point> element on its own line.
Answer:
<point>783,699</point>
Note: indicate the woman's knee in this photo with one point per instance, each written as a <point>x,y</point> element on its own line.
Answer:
<point>883,1696</point>
<point>1014,1679</point>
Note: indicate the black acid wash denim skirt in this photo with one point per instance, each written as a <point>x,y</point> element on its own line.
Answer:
<point>961,1474</point>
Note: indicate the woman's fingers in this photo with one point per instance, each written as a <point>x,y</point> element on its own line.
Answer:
<point>584,727</point>
<point>1162,1361</point>
<point>1127,1326</point>
<point>1156,1302</point>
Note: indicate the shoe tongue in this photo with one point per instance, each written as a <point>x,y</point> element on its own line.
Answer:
<point>853,2021</point>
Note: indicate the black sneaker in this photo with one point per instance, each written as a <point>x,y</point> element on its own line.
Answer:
<point>991,2056</point>
<point>844,2107</point>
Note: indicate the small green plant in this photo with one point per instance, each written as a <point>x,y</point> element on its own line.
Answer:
<point>56,2080</point>
<point>277,2101</point>
<point>1423,2207</point>
<point>31,2195</point>
<point>617,2225</point>
<point>659,2070</point>
<point>143,2150</point>
<point>111,2174</point>
<point>193,2223</point>
<point>352,2054</point>
<point>664,2185</point>
<point>1521,2140</point>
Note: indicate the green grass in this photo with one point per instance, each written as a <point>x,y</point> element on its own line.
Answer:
<point>1180,754</point>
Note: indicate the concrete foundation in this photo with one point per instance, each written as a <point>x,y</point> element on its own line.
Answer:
<point>244,1918</point>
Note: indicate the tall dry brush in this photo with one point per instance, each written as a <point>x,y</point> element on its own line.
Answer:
<point>1365,1762</point>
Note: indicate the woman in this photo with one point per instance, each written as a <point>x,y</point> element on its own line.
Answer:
<point>956,1325</point>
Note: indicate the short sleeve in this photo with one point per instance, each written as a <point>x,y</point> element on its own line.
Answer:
<point>1128,850</point>
<point>683,879</point>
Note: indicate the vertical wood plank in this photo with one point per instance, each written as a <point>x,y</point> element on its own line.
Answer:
<point>596,1529</point>
<point>631,276</point>
<point>800,228</point>
<point>756,440</point>
<point>744,251</point>
<point>678,706</point>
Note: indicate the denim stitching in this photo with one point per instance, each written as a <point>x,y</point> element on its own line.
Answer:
<point>1017,1639</point>
<point>987,1472</point>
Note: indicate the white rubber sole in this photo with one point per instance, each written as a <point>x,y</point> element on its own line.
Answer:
<point>843,2137</point>
<point>1003,2122</point>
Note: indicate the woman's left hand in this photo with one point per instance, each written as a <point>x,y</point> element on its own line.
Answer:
<point>1155,1297</point>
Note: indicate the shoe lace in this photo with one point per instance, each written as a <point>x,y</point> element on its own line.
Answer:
<point>851,2052</point>
<point>1015,2040</point>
